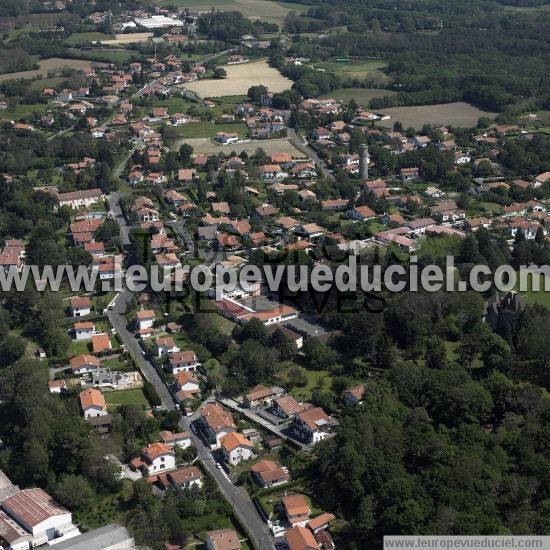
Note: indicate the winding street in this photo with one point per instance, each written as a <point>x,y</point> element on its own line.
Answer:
<point>307,150</point>
<point>239,499</point>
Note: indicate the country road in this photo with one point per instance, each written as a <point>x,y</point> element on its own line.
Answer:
<point>243,506</point>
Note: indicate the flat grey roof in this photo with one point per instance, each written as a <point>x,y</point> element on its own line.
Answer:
<point>100,538</point>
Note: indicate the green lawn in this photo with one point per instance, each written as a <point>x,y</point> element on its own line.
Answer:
<point>125,397</point>
<point>361,96</point>
<point>174,104</point>
<point>535,297</point>
<point>79,347</point>
<point>83,37</point>
<point>117,364</point>
<point>209,130</point>
<point>23,111</point>
<point>105,55</point>
<point>315,379</point>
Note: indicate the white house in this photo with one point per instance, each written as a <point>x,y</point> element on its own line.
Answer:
<point>186,381</point>
<point>92,403</point>
<point>157,457</point>
<point>312,425</point>
<point>361,213</point>
<point>182,439</point>
<point>145,319</point>
<point>236,448</point>
<point>80,306</point>
<point>183,361</point>
<point>216,422</point>
<point>83,330</point>
<point>225,138</point>
<point>166,346</point>
<point>82,364</point>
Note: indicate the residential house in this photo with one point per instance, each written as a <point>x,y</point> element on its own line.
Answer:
<point>222,539</point>
<point>182,478</point>
<point>101,342</point>
<point>82,364</point>
<point>296,509</point>
<point>216,422</point>
<point>409,174</point>
<point>225,138</point>
<point>261,396</point>
<point>287,406</point>
<point>312,425</point>
<point>183,361</point>
<point>236,448</point>
<point>92,403</point>
<point>57,386</point>
<point>165,346</point>
<point>145,320</point>
<point>83,330</point>
<point>187,385</point>
<point>361,213</point>
<point>181,439</point>
<point>354,396</point>
<point>80,306</point>
<point>268,473</point>
<point>156,457</point>
<point>300,538</point>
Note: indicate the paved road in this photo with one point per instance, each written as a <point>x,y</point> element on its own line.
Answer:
<point>236,496</point>
<point>307,150</point>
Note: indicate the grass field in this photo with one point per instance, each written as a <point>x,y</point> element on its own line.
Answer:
<point>240,78</point>
<point>130,38</point>
<point>535,297</point>
<point>315,379</point>
<point>205,129</point>
<point>361,96</point>
<point>106,55</point>
<point>458,114</point>
<point>54,64</point>
<point>207,146</point>
<point>83,37</point>
<point>42,83</point>
<point>266,10</point>
<point>125,397</point>
<point>362,69</point>
<point>23,111</point>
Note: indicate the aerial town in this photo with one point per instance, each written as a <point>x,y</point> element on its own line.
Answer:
<point>175,135</point>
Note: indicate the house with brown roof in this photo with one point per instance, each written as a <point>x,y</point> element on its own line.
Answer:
<point>261,396</point>
<point>80,306</point>
<point>354,396</point>
<point>222,539</point>
<point>312,425</point>
<point>82,364</point>
<point>101,342</point>
<point>180,439</point>
<point>83,330</point>
<point>145,320</point>
<point>216,422</point>
<point>182,478</point>
<point>361,213</point>
<point>300,538</point>
<point>321,522</point>
<point>92,403</point>
<point>268,473</point>
<point>287,406</point>
<point>165,346</point>
<point>156,457</point>
<point>183,361</point>
<point>296,509</point>
<point>236,448</point>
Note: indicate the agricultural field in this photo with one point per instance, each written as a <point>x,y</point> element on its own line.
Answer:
<point>266,10</point>
<point>54,64</point>
<point>240,78</point>
<point>83,37</point>
<point>105,55</point>
<point>22,111</point>
<point>207,146</point>
<point>458,114</point>
<point>130,38</point>
<point>361,96</point>
<point>361,69</point>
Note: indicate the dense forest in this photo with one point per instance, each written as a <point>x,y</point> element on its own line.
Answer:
<point>504,61</point>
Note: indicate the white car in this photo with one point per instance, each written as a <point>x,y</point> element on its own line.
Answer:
<point>218,465</point>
